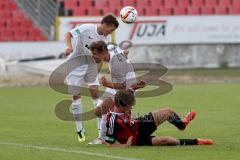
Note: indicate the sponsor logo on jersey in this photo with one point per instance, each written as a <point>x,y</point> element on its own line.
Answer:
<point>90,37</point>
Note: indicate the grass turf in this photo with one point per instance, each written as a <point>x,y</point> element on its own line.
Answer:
<point>27,117</point>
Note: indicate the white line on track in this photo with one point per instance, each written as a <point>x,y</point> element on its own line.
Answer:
<point>67,151</point>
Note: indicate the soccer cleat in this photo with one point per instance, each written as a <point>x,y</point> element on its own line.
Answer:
<point>189,117</point>
<point>96,141</point>
<point>81,135</point>
<point>205,141</point>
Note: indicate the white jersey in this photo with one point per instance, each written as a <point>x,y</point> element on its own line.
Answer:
<point>121,69</point>
<point>86,68</point>
<point>83,36</point>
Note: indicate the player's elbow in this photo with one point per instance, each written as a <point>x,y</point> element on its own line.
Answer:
<point>97,112</point>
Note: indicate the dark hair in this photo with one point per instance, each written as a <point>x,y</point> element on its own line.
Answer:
<point>124,98</point>
<point>100,46</point>
<point>110,20</point>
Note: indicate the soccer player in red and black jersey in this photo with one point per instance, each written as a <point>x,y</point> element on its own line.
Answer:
<point>124,132</point>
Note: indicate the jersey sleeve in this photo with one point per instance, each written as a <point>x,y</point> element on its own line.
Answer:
<point>76,32</point>
<point>110,135</point>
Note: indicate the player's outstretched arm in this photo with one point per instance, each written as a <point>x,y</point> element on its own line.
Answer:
<point>68,40</point>
<point>117,144</point>
<point>109,84</point>
<point>138,85</point>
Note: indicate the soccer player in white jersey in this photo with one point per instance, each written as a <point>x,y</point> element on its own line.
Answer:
<point>122,77</point>
<point>78,41</point>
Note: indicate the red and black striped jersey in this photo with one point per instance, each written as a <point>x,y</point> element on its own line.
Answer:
<point>120,128</point>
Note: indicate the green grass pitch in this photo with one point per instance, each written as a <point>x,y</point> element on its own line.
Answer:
<point>27,118</point>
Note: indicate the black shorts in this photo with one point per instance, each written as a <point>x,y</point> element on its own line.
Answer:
<point>146,127</point>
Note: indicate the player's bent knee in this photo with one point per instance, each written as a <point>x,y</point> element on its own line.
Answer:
<point>169,112</point>
<point>162,114</point>
<point>165,111</point>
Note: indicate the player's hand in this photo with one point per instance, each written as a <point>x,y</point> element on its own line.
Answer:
<point>104,81</point>
<point>106,143</point>
<point>126,52</point>
<point>129,141</point>
<point>141,84</point>
<point>69,50</point>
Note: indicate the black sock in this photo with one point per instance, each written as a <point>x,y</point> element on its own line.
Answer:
<point>176,121</point>
<point>188,141</point>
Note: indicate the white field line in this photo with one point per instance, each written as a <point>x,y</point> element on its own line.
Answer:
<point>67,151</point>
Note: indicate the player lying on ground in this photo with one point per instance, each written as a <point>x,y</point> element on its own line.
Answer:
<point>124,132</point>
<point>121,72</point>
<point>78,41</point>
<point>104,107</point>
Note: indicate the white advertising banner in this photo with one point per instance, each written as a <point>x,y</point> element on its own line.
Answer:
<point>168,30</point>
<point>28,50</point>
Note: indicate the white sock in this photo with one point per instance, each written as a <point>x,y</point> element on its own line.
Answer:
<point>76,110</point>
<point>95,104</point>
<point>103,128</point>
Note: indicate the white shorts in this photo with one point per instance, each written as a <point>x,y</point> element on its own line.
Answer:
<point>80,75</point>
